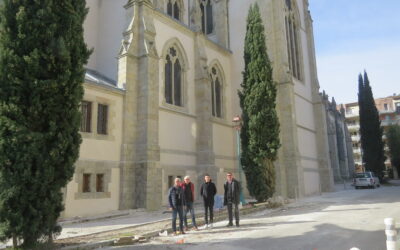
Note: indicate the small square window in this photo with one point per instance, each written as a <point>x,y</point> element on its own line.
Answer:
<point>398,107</point>
<point>100,183</point>
<point>86,183</point>
<point>170,181</point>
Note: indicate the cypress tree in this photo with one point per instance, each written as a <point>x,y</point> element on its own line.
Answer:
<point>360,96</point>
<point>42,53</point>
<point>260,131</point>
<point>393,142</point>
<point>371,131</point>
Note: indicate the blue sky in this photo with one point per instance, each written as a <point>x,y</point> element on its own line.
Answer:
<point>353,35</point>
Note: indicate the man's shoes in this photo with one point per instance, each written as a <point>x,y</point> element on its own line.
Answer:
<point>229,225</point>
<point>174,234</point>
<point>182,232</point>
<point>237,225</point>
<point>195,228</point>
<point>211,226</point>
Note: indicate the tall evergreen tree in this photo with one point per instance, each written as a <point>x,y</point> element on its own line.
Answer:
<point>360,96</point>
<point>370,130</point>
<point>393,142</point>
<point>260,131</point>
<point>42,53</point>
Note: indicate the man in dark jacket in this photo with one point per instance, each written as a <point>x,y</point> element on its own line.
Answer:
<point>208,191</point>
<point>176,199</point>
<point>232,198</point>
<point>188,189</point>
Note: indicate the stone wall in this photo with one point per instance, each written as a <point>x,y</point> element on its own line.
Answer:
<point>340,146</point>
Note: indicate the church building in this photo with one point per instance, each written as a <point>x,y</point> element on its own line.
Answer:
<point>161,91</point>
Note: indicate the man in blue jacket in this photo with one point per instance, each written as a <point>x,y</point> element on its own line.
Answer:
<point>176,199</point>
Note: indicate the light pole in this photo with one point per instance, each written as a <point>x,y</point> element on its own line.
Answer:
<point>238,125</point>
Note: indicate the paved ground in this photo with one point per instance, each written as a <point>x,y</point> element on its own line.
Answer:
<point>118,220</point>
<point>333,221</point>
<point>337,220</point>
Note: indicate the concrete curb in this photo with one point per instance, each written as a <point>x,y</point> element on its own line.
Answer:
<point>219,216</point>
<point>82,220</point>
<point>87,246</point>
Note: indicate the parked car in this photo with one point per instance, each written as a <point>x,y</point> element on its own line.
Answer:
<point>366,179</point>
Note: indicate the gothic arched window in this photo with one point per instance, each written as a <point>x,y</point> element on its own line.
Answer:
<point>216,92</point>
<point>288,4</point>
<point>173,78</point>
<point>292,40</point>
<point>174,9</point>
<point>206,16</point>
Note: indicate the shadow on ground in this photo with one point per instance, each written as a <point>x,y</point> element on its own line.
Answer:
<point>323,237</point>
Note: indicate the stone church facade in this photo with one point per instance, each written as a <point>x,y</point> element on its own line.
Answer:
<point>339,139</point>
<point>161,93</point>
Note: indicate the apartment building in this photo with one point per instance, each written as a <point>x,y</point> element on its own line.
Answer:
<point>389,114</point>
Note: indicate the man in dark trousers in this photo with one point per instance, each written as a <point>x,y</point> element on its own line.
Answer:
<point>208,191</point>
<point>176,199</point>
<point>188,189</point>
<point>232,198</point>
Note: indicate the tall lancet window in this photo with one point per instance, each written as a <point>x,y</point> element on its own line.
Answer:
<point>216,92</point>
<point>207,24</point>
<point>292,39</point>
<point>174,9</point>
<point>173,78</point>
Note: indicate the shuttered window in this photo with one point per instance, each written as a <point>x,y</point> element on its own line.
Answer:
<point>86,183</point>
<point>86,110</point>
<point>102,119</point>
<point>100,183</point>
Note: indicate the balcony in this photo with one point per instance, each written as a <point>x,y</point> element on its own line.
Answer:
<point>353,127</point>
<point>355,138</point>
<point>350,115</point>
<point>356,151</point>
<point>385,112</point>
<point>385,122</point>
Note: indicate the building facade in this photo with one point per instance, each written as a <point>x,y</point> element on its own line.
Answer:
<point>389,114</point>
<point>339,139</point>
<point>161,93</point>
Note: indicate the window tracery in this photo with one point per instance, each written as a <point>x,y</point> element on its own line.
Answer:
<point>174,9</point>
<point>207,24</point>
<point>292,39</point>
<point>173,78</point>
<point>216,92</point>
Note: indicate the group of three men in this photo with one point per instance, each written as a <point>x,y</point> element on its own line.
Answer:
<point>181,198</point>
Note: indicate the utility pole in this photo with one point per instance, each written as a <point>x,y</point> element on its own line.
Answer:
<point>238,125</point>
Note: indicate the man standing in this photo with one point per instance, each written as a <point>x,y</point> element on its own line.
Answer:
<point>188,189</point>
<point>176,199</point>
<point>208,191</point>
<point>232,198</point>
